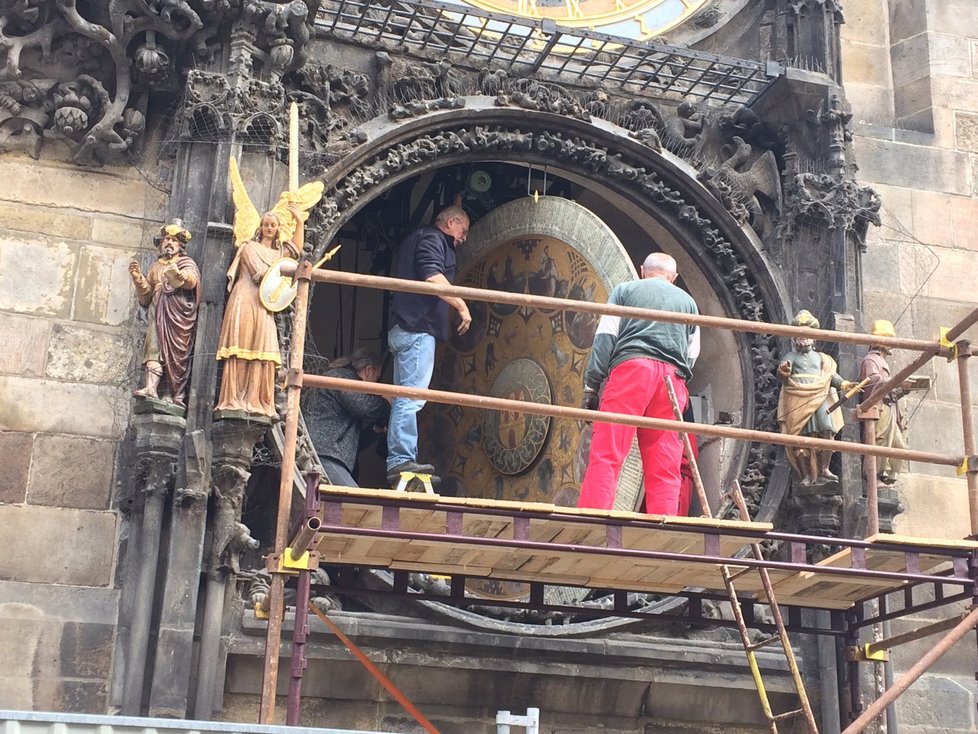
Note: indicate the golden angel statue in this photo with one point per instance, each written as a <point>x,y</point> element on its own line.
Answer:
<point>248,344</point>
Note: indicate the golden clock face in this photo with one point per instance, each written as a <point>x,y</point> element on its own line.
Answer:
<point>638,19</point>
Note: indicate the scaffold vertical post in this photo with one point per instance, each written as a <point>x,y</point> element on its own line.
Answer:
<point>962,352</point>
<point>276,600</point>
<point>300,625</point>
<point>852,665</point>
<point>869,418</point>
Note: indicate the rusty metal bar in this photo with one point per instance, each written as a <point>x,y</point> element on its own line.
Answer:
<point>927,630</point>
<point>963,350</point>
<point>376,672</point>
<point>896,380</point>
<point>917,670</point>
<point>660,424</point>
<point>567,304</point>
<point>690,456</point>
<point>276,612</point>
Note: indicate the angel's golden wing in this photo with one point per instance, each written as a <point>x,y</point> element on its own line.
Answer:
<point>246,216</point>
<point>307,196</point>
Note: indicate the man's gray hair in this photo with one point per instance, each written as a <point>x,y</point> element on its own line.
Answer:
<point>451,212</point>
<point>661,262</point>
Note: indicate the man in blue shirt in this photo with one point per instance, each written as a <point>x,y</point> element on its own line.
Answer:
<point>417,323</point>
<point>633,357</point>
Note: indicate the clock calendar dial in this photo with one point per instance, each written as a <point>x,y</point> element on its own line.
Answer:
<point>638,19</point>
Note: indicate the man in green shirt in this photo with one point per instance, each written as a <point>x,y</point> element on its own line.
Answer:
<point>633,357</point>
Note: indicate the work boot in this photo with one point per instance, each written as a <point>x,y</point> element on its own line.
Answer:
<point>394,475</point>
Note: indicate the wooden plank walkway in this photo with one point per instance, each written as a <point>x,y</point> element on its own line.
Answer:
<point>576,547</point>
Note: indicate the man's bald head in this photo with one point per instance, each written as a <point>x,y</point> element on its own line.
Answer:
<point>660,265</point>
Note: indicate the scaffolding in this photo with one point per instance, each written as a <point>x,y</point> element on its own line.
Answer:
<point>867,582</point>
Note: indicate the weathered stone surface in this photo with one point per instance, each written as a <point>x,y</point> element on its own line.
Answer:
<point>124,232</point>
<point>108,189</point>
<point>71,471</point>
<point>58,546</point>
<point>914,166</point>
<point>104,294</point>
<point>950,55</point>
<point>955,94</point>
<point>25,343</point>
<point>36,276</point>
<point>936,506</point>
<point>912,98</point>
<point>864,19</point>
<point>910,59</point>
<point>88,604</point>
<point>867,64</point>
<point>951,16</point>
<point>50,221</point>
<point>936,272</point>
<point>870,104</point>
<point>966,131</point>
<point>931,223</point>
<point>86,650</point>
<point>81,354</point>
<point>16,450</point>
<point>21,629</point>
<point>936,698</point>
<point>907,19</point>
<point>49,406</point>
<point>937,428</point>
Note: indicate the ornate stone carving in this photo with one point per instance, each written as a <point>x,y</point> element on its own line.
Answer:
<point>737,185</point>
<point>830,200</point>
<point>78,71</point>
<point>531,94</point>
<point>578,152</point>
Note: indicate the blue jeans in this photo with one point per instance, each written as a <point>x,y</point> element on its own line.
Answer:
<point>414,362</point>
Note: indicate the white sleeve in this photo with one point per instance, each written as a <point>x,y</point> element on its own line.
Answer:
<point>694,345</point>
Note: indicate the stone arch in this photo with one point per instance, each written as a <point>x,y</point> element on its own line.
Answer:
<point>657,182</point>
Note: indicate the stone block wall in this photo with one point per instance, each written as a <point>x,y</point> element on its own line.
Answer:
<point>920,155</point>
<point>68,326</point>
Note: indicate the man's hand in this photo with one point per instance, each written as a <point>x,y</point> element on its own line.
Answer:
<point>134,272</point>
<point>465,319</point>
<point>589,401</point>
<point>784,369</point>
<point>847,386</point>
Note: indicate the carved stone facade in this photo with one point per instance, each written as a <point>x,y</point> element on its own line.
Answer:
<point>764,198</point>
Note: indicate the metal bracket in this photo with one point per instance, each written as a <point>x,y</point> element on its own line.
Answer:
<point>872,413</point>
<point>288,564</point>
<point>863,654</point>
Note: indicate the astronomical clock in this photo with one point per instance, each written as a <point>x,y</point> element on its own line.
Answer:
<point>636,19</point>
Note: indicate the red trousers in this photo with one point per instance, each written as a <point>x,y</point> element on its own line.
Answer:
<point>636,387</point>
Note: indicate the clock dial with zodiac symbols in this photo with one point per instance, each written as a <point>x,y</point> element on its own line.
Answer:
<point>636,19</point>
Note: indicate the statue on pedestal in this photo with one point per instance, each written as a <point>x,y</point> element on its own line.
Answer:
<point>248,344</point>
<point>170,293</point>
<point>810,387</point>
<point>891,424</point>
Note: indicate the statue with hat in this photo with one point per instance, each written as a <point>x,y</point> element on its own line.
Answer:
<point>810,386</point>
<point>170,292</point>
<point>891,425</point>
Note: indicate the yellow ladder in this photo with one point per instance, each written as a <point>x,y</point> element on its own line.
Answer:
<point>728,576</point>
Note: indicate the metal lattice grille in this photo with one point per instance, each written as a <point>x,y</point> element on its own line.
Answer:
<point>479,39</point>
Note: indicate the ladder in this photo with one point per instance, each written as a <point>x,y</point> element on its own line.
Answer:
<point>728,575</point>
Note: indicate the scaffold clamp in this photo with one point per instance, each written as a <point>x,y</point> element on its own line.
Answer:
<point>968,465</point>
<point>866,654</point>
<point>288,564</point>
